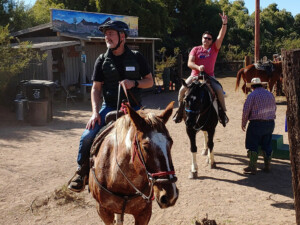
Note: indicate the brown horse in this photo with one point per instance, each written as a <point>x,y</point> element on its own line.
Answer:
<point>132,166</point>
<point>250,72</point>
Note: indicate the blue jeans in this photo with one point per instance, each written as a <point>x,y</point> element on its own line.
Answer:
<point>88,136</point>
<point>260,133</point>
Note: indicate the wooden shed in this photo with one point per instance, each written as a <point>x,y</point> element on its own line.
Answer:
<point>70,57</point>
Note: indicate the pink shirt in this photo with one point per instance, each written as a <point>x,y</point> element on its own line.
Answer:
<point>205,57</point>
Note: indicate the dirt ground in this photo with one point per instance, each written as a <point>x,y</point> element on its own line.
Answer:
<point>36,163</point>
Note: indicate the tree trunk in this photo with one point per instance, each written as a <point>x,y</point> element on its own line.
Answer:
<point>291,73</point>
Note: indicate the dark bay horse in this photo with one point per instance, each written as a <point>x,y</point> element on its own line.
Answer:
<point>132,166</point>
<point>200,115</point>
<point>250,72</point>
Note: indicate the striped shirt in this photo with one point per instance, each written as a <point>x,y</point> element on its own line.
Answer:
<point>259,105</point>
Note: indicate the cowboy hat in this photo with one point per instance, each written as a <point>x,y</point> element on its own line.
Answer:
<point>255,81</point>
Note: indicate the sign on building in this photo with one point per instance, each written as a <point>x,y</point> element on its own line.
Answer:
<point>86,23</point>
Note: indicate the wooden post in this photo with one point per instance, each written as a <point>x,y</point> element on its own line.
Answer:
<point>257,32</point>
<point>291,73</point>
<point>248,60</point>
<point>49,65</point>
<point>179,72</point>
<point>83,74</point>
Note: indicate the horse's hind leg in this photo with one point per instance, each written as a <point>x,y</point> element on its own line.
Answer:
<point>210,156</point>
<point>205,147</point>
<point>106,215</point>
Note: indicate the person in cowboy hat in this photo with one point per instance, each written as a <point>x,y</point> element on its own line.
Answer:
<point>119,65</point>
<point>260,110</point>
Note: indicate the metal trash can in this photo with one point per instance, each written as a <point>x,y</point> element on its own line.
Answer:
<point>37,114</point>
<point>21,106</point>
<point>39,93</point>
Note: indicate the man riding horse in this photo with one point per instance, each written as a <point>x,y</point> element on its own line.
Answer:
<point>203,58</point>
<point>118,66</point>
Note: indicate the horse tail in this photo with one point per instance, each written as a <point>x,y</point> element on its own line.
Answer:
<point>238,78</point>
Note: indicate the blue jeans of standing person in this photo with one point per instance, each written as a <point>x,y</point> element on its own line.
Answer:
<point>260,133</point>
<point>88,136</point>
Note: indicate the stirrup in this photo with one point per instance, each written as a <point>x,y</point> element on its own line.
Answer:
<point>74,188</point>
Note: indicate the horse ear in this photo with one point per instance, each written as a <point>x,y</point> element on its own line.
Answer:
<point>183,83</point>
<point>167,113</point>
<point>137,120</point>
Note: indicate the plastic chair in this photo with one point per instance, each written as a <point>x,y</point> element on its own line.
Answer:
<point>68,95</point>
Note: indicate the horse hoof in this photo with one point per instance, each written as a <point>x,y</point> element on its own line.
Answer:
<point>204,152</point>
<point>193,175</point>
<point>213,166</point>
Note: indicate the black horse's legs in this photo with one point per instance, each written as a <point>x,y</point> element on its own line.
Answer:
<point>210,144</point>
<point>194,167</point>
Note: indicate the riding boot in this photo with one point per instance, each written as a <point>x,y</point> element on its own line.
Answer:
<point>267,161</point>
<point>80,179</point>
<point>251,169</point>
<point>179,114</point>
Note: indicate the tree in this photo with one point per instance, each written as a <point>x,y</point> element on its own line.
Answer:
<point>20,17</point>
<point>13,60</point>
<point>41,10</point>
<point>6,7</point>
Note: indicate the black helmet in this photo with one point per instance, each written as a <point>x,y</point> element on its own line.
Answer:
<point>115,25</point>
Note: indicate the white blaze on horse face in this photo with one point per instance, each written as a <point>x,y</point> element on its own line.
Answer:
<point>161,141</point>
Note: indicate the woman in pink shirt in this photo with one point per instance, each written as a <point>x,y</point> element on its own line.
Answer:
<point>203,58</point>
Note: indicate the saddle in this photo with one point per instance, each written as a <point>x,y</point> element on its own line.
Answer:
<point>266,66</point>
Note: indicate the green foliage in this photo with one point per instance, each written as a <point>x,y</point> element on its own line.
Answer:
<point>21,17</point>
<point>166,61</point>
<point>41,10</point>
<point>291,44</point>
<point>14,59</point>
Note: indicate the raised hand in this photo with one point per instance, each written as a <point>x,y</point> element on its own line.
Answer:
<point>223,17</point>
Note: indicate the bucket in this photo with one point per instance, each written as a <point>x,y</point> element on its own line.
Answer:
<point>21,109</point>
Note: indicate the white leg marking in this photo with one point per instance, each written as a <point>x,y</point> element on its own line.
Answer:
<point>194,166</point>
<point>118,219</point>
<point>205,134</point>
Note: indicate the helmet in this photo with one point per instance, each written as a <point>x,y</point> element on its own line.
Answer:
<point>115,25</point>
